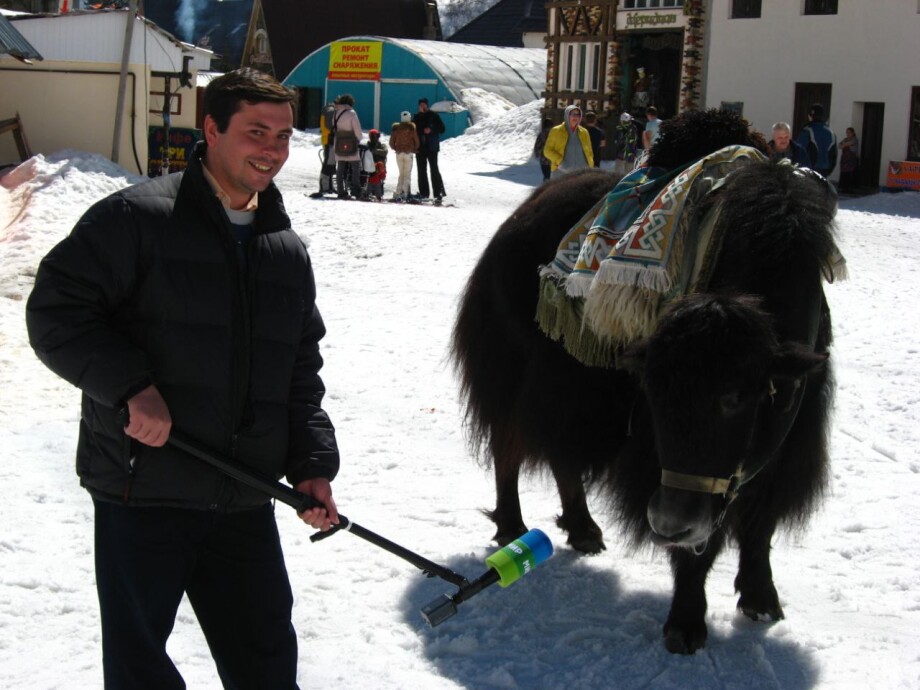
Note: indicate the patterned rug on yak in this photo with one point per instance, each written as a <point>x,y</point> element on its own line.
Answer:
<point>633,252</point>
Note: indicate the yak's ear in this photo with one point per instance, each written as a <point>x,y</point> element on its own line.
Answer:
<point>632,358</point>
<point>796,360</point>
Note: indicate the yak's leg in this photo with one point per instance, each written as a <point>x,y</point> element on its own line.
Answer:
<point>507,514</point>
<point>685,630</point>
<point>584,534</point>
<point>754,582</point>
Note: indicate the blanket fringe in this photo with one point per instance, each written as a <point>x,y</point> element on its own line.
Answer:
<point>836,268</point>
<point>621,314</point>
<point>562,318</point>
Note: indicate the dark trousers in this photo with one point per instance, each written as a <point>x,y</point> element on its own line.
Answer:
<point>232,569</point>
<point>351,169</point>
<point>424,159</point>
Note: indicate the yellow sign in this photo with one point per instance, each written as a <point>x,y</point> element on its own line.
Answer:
<point>355,60</point>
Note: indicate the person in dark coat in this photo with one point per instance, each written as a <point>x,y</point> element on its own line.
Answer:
<point>782,146</point>
<point>598,137</point>
<point>545,166</point>
<point>819,142</point>
<point>187,303</point>
<point>430,127</point>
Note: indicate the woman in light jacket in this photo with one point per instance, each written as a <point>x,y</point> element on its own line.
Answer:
<point>346,120</point>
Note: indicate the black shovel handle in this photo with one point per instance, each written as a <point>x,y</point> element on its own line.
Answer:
<point>286,494</point>
<point>301,502</point>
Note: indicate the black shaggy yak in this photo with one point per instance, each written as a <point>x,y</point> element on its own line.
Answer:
<point>714,426</point>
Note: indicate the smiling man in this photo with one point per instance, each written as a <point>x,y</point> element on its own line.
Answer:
<point>188,301</point>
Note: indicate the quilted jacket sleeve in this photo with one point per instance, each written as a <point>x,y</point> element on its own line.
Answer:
<point>79,286</point>
<point>313,448</point>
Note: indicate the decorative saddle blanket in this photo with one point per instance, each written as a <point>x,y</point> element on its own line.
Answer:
<point>636,250</point>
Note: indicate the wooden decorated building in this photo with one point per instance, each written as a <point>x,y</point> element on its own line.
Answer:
<point>611,56</point>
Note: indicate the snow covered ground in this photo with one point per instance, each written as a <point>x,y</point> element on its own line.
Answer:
<point>389,277</point>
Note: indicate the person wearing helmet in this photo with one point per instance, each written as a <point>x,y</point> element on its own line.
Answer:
<point>378,149</point>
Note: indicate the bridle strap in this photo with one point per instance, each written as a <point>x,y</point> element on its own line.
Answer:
<point>701,484</point>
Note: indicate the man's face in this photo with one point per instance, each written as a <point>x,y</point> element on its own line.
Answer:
<point>246,157</point>
<point>574,118</point>
<point>781,139</point>
<point>423,107</point>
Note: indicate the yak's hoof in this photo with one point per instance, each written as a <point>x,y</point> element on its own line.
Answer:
<point>760,603</point>
<point>680,640</point>
<point>587,538</point>
<point>760,612</point>
<point>505,536</point>
<point>587,543</point>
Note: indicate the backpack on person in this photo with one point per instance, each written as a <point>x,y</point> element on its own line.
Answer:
<point>329,116</point>
<point>345,142</point>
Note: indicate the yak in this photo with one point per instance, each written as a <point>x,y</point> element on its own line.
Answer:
<point>711,428</point>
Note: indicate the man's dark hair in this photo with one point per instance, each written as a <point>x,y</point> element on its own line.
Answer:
<point>345,99</point>
<point>223,95</point>
<point>817,112</point>
<point>651,110</point>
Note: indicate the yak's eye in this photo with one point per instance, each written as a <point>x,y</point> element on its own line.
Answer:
<point>731,403</point>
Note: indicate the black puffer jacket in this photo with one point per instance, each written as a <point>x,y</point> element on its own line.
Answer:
<point>429,119</point>
<point>147,289</point>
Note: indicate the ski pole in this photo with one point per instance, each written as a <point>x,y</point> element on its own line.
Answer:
<point>506,565</point>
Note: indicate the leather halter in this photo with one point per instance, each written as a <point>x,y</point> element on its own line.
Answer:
<point>726,487</point>
<point>702,484</point>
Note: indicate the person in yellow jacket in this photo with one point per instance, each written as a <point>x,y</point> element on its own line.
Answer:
<point>327,172</point>
<point>568,146</point>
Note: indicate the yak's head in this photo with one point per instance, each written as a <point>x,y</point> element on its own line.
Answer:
<point>708,374</point>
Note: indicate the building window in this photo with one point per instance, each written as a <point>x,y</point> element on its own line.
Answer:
<point>745,9</point>
<point>820,7</point>
<point>651,4</point>
<point>261,42</point>
<point>581,65</point>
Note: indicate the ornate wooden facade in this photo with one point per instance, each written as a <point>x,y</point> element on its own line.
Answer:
<point>610,56</point>
<point>581,55</point>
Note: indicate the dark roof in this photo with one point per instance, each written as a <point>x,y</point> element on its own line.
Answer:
<point>504,24</point>
<point>14,43</point>
<point>217,26</point>
<point>294,32</point>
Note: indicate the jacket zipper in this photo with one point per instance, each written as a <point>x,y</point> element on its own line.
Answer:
<point>129,481</point>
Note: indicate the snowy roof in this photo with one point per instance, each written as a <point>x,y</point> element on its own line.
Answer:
<point>98,36</point>
<point>518,74</point>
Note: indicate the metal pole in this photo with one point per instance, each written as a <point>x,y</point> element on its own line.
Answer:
<point>164,167</point>
<point>122,81</point>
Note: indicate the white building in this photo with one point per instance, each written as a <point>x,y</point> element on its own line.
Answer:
<point>70,99</point>
<point>859,58</point>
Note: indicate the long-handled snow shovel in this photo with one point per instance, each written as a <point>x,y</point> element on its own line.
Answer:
<point>506,565</point>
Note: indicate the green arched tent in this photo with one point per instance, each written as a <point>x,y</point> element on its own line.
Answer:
<point>389,75</point>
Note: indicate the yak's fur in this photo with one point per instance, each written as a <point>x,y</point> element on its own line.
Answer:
<point>693,398</point>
